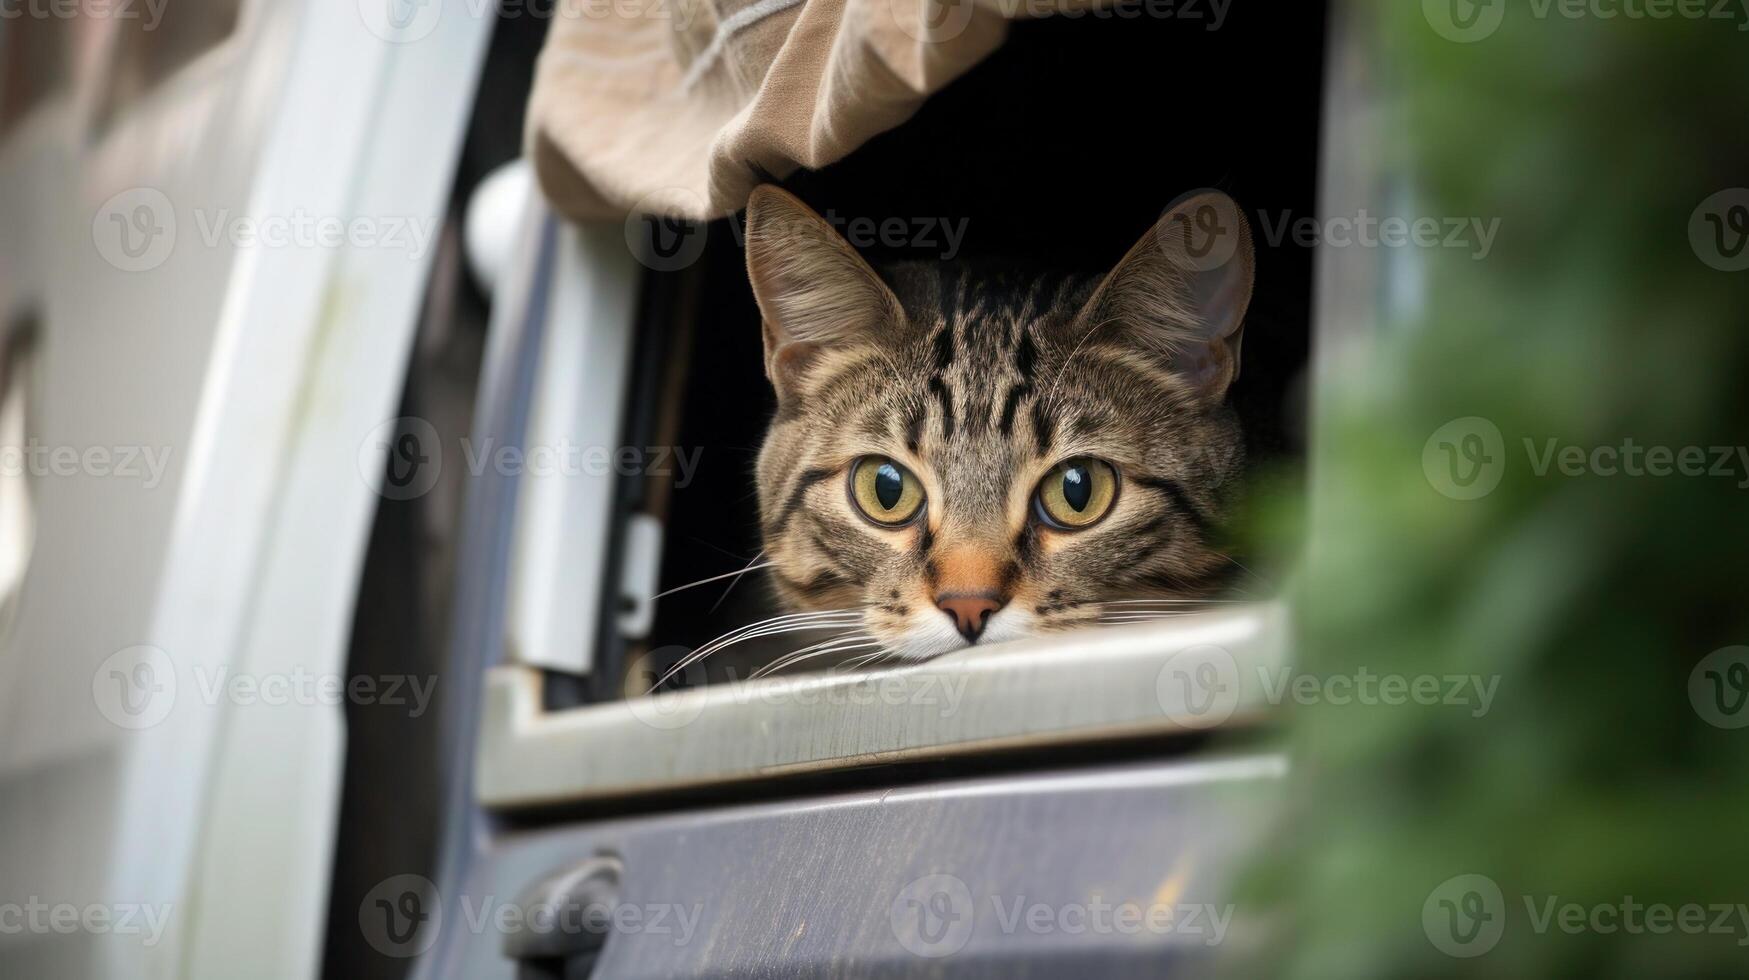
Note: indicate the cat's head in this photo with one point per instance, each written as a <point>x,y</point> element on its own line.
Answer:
<point>966,460</point>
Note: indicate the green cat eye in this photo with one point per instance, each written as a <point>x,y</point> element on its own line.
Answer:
<point>885,492</point>
<point>1076,493</point>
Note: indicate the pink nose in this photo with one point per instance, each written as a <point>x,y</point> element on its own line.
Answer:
<point>970,613</point>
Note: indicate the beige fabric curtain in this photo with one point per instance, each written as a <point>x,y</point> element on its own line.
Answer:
<point>677,106</point>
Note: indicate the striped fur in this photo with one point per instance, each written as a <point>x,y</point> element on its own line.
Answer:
<point>980,384</point>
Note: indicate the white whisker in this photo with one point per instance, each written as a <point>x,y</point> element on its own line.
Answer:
<point>713,578</point>
<point>737,580</point>
<point>869,658</point>
<point>786,658</point>
<point>840,644</point>
<point>1050,399</point>
<point>794,622</point>
<point>1165,602</point>
<point>1241,567</point>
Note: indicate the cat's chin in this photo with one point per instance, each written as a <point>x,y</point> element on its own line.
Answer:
<point>927,637</point>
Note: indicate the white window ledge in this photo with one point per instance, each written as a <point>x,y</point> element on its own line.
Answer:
<point>1187,674</point>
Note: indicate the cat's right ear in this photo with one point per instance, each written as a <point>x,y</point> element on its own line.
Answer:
<point>1182,291</point>
<point>814,291</point>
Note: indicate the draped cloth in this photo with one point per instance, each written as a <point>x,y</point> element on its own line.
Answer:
<point>682,107</point>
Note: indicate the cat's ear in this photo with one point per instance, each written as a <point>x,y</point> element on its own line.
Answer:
<point>1181,292</point>
<point>814,291</point>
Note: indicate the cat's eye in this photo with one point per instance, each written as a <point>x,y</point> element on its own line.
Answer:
<point>885,492</point>
<point>1076,493</point>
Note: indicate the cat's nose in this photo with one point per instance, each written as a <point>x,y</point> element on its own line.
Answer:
<point>970,611</point>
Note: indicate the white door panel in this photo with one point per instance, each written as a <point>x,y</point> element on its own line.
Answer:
<point>253,370</point>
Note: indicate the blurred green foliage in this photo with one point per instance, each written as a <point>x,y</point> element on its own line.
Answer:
<point>1593,779</point>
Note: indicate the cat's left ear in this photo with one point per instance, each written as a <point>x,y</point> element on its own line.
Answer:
<point>1182,291</point>
<point>814,291</point>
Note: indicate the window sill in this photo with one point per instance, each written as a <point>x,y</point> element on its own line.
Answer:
<point>1189,674</point>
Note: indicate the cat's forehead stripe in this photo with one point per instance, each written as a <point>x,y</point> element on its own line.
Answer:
<point>944,398</point>
<point>1025,354</point>
<point>944,347</point>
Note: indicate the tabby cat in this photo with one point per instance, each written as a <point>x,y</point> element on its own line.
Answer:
<point>961,460</point>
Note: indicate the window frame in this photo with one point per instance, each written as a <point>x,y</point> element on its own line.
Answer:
<point>1097,685</point>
